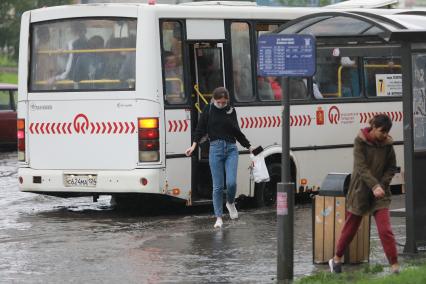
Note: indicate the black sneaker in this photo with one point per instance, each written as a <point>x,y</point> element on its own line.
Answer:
<point>335,267</point>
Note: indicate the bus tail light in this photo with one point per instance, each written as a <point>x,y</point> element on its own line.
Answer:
<point>21,139</point>
<point>149,139</point>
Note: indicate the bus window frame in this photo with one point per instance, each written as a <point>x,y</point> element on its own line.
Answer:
<point>359,51</point>
<point>185,59</point>
<point>229,66</point>
<point>363,77</point>
<point>253,54</point>
<point>30,61</point>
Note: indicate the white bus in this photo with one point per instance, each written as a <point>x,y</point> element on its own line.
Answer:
<point>110,95</point>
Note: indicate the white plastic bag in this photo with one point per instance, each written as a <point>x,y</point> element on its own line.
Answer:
<point>259,169</point>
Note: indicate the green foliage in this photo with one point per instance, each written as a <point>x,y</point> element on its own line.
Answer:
<point>376,268</point>
<point>369,275</point>
<point>10,20</point>
<point>6,61</point>
<point>11,78</point>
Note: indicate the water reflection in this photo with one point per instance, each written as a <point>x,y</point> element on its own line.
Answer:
<point>48,239</point>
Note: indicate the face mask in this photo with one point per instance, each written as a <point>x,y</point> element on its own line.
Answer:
<point>220,106</point>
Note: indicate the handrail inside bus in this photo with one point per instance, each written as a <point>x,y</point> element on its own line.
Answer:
<point>197,91</point>
<point>339,73</point>
<point>197,106</point>
<point>67,82</point>
<point>99,50</point>
<point>178,80</point>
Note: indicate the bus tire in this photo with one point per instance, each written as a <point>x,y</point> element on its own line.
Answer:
<point>265,193</point>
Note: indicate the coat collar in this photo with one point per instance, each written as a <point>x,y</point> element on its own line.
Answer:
<point>363,137</point>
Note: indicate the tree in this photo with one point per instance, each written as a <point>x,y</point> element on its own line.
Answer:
<point>10,20</point>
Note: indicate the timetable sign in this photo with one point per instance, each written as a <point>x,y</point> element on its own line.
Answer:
<point>286,55</point>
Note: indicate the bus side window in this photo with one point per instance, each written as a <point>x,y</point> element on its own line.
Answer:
<point>241,62</point>
<point>174,88</point>
<point>348,77</point>
<point>298,88</point>
<point>268,88</point>
<point>336,77</point>
<point>383,77</point>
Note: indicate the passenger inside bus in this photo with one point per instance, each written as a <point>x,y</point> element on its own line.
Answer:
<point>78,31</point>
<point>44,63</point>
<point>270,89</point>
<point>242,78</point>
<point>209,71</point>
<point>173,72</point>
<point>336,77</point>
<point>174,92</point>
<point>276,88</point>
<point>114,60</point>
<point>315,89</point>
<point>241,62</point>
<point>90,66</point>
<point>298,88</point>
<point>264,89</point>
<point>349,77</point>
<point>128,68</point>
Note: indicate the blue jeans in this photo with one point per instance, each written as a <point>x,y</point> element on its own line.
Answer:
<point>223,156</point>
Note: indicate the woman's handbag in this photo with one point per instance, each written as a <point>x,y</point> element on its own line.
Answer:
<point>259,170</point>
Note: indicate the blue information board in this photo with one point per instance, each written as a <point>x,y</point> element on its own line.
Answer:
<point>286,55</point>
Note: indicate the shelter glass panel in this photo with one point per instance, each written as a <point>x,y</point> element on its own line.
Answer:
<point>297,27</point>
<point>338,26</point>
<point>419,101</point>
<point>382,76</point>
<point>172,49</point>
<point>241,62</point>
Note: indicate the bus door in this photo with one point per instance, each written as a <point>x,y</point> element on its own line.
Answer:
<point>207,74</point>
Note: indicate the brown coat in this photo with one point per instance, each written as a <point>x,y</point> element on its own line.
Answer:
<point>374,165</point>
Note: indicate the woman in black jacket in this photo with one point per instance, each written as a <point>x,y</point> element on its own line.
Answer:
<point>219,121</point>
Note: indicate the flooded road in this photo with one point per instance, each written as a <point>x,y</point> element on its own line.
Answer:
<point>51,240</point>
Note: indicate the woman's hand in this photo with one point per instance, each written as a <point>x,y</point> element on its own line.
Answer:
<point>191,149</point>
<point>379,192</point>
<point>251,149</point>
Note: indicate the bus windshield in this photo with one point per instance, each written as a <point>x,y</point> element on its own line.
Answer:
<point>83,55</point>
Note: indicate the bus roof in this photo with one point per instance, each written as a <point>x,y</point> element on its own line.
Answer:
<point>369,4</point>
<point>198,10</point>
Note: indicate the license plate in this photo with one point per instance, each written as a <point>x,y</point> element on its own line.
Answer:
<point>80,180</point>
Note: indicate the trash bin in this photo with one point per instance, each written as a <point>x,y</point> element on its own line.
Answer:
<point>328,217</point>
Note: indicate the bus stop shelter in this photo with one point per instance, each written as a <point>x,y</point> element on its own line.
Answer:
<point>400,35</point>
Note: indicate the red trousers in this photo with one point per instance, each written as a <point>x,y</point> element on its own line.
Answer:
<point>387,238</point>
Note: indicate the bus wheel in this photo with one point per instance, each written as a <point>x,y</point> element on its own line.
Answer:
<point>265,194</point>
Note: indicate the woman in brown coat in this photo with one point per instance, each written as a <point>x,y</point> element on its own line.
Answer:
<point>369,192</point>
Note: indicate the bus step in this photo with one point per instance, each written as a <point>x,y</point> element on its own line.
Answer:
<point>201,202</point>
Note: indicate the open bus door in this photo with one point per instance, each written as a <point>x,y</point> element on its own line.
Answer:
<point>207,73</point>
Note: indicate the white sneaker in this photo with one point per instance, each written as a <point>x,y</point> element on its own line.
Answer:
<point>218,223</point>
<point>233,213</point>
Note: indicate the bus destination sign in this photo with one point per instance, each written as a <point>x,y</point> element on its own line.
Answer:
<point>286,55</point>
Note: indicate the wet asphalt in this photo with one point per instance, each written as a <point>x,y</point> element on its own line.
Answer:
<point>53,240</point>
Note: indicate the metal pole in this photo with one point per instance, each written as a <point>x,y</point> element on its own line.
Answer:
<point>285,198</point>
<point>407,106</point>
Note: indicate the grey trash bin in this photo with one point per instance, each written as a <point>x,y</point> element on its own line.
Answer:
<point>328,217</point>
